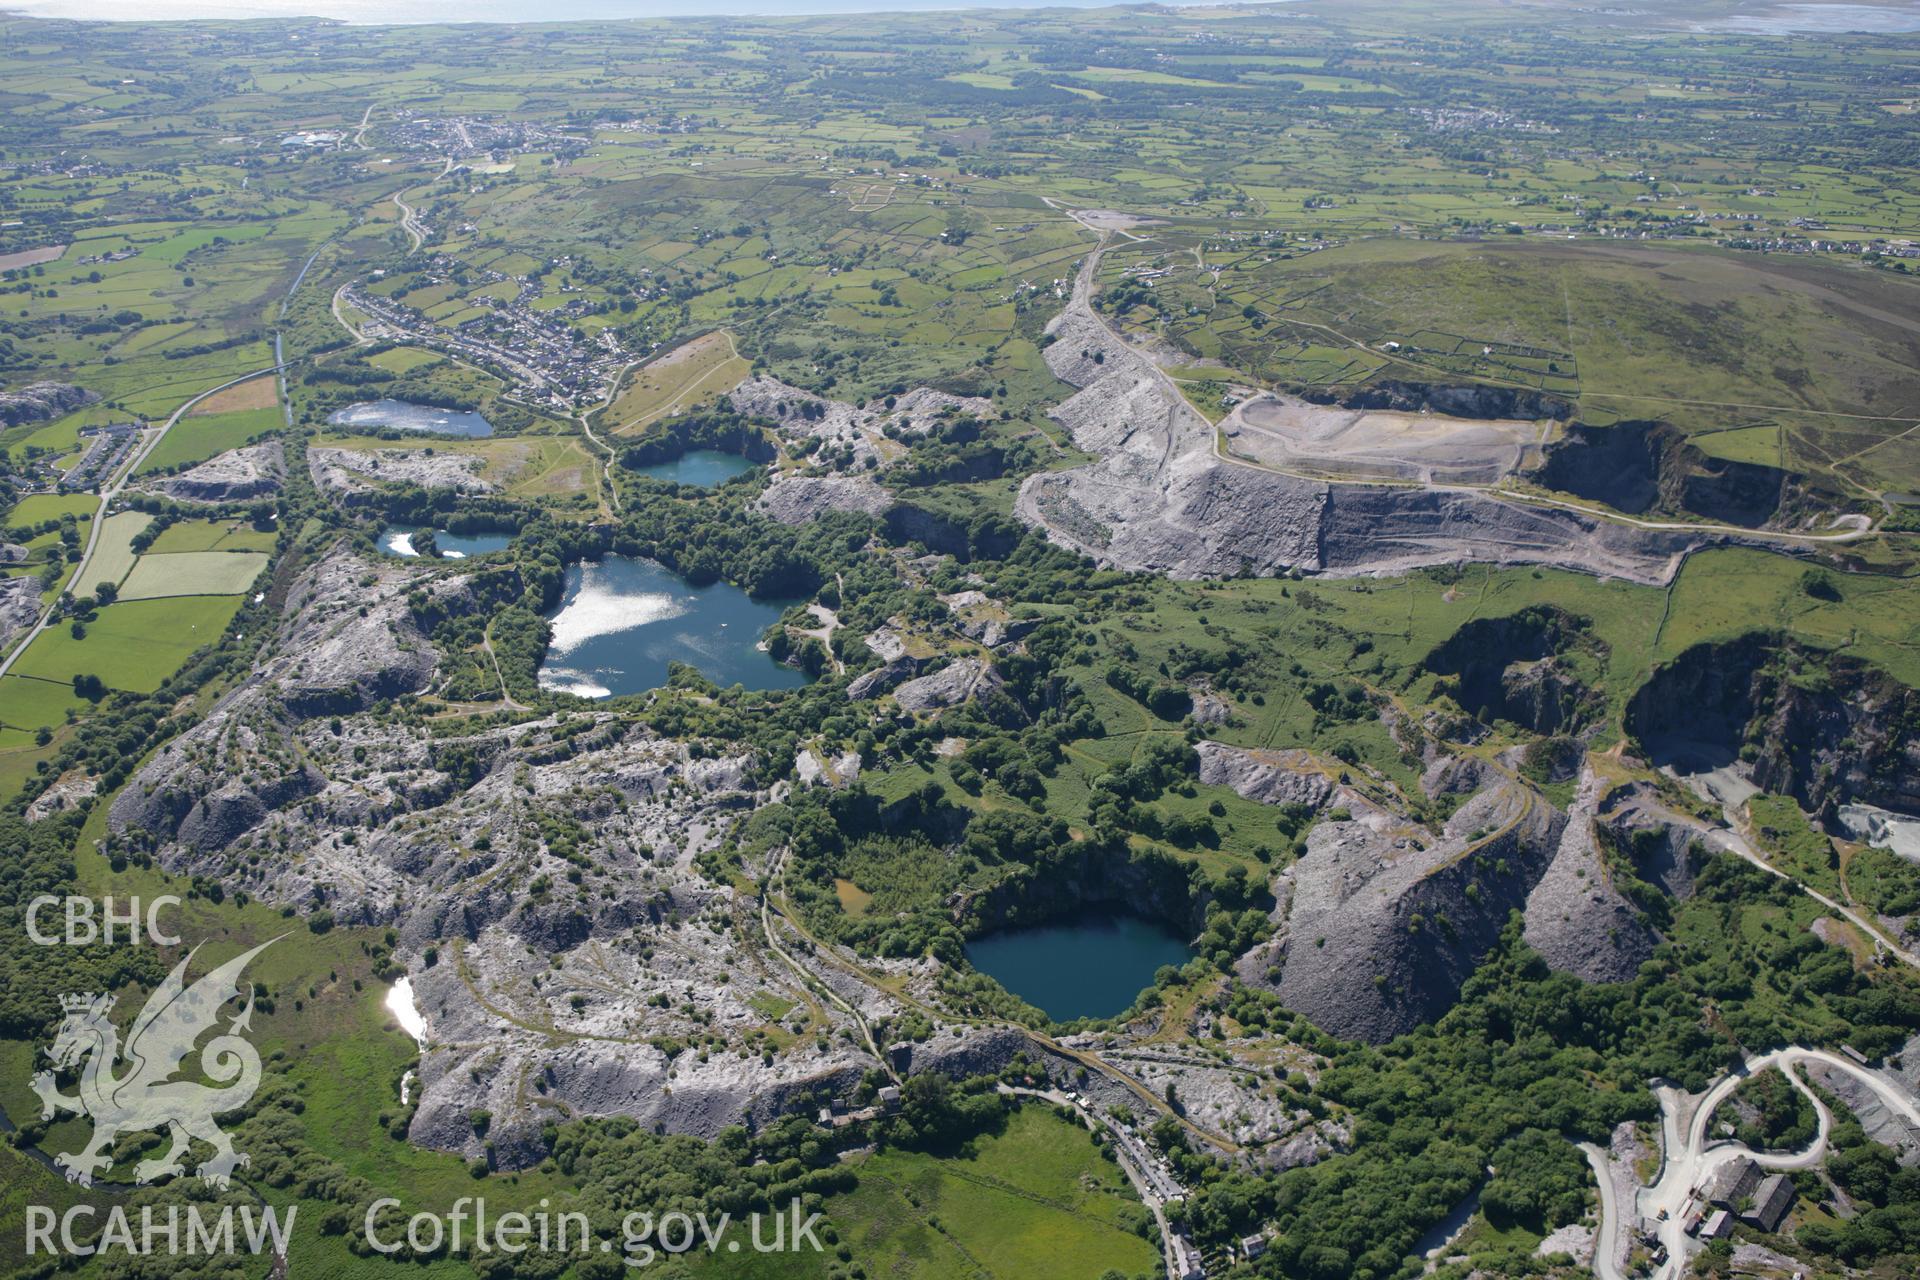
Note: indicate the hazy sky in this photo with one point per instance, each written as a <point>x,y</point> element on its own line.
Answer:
<point>414,11</point>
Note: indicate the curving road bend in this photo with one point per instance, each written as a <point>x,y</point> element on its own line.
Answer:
<point>1692,1157</point>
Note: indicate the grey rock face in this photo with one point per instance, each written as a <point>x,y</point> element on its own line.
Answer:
<point>1832,728</point>
<point>1514,668</point>
<point>836,425</point>
<point>802,499</point>
<point>617,1053</point>
<point>1379,929</point>
<point>1656,838</point>
<point>1882,1125</point>
<point>339,660</point>
<point>344,473</point>
<point>1210,708</point>
<point>958,682</point>
<point>1161,498</point>
<point>66,791</point>
<point>19,606</point>
<point>39,401</point>
<point>877,681</point>
<point>1269,777</point>
<point>222,778</point>
<point>847,440</point>
<point>1575,918</point>
<point>238,475</point>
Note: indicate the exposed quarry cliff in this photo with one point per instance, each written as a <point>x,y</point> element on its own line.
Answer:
<point>1163,498</point>
<point>1378,926</point>
<point>1518,668</point>
<point>1651,468</point>
<point>1824,727</point>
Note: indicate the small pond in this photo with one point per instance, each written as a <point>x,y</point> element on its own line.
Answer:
<point>703,467</point>
<point>1090,967</point>
<point>397,540</point>
<point>399,415</point>
<point>622,620</point>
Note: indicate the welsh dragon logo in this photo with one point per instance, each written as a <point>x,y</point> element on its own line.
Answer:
<point>144,1096</point>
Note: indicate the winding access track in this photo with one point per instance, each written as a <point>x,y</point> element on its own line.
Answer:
<point>1692,1157</point>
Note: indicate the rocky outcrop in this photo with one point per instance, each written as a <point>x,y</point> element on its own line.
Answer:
<point>834,427</point>
<point>1824,727</point>
<point>1266,777</point>
<point>238,475</point>
<point>960,681</point>
<point>803,499</point>
<point>817,768</point>
<point>351,473</point>
<point>1377,927</point>
<point>68,791</point>
<point>1513,669</point>
<point>347,640</point>
<point>617,1054</point>
<point>19,606</point>
<point>1882,1124</point>
<point>1576,918</point>
<point>39,401</point>
<point>338,662</point>
<point>986,535</point>
<point>873,683</point>
<point>1657,840</point>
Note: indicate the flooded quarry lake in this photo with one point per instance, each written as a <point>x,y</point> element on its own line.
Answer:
<point>622,620</point>
<point>1090,967</point>
<point>703,467</point>
<point>400,415</point>
<point>398,540</point>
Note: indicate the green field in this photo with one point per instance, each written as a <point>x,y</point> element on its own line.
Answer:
<point>113,554</point>
<point>1035,1200</point>
<point>132,645</point>
<point>197,438</point>
<point>211,535</point>
<point>33,703</point>
<point>192,573</point>
<point>34,508</point>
